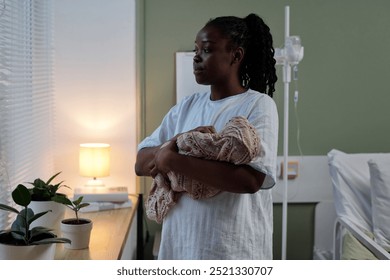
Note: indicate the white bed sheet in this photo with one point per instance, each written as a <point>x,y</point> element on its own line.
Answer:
<point>352,189</point>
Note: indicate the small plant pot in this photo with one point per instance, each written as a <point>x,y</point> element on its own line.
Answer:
<point>79,234</point>
<point>50,219</point>
<point>31,252</point>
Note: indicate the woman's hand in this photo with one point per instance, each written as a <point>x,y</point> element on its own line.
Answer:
<point>163,158</point>
<point>153,160</point>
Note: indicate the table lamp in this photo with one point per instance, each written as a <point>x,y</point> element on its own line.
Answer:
<point>94,162</point>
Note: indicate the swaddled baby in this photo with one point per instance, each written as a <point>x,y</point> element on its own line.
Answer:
<point>237,143</point>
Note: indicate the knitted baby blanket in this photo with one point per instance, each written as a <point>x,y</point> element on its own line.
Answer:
<point>237,143</point>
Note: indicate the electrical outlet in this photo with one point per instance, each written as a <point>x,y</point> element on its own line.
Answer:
<point>292,171</point>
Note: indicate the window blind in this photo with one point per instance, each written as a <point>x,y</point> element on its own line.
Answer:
<point>26,93</point>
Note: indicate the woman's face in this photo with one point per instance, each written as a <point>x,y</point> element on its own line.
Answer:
<point>213,60</point>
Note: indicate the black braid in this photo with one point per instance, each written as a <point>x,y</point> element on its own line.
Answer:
<point>253,35</point>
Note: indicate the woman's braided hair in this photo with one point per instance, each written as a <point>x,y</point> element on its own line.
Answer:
<point>257,69</point>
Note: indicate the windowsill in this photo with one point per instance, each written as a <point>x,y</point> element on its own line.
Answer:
<point>108,237</point>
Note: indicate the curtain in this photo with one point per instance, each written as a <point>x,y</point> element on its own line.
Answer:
<point>26,94</point>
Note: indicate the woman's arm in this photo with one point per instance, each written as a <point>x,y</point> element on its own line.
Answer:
<point>221,175</point>
<point>145,157</point>
<point>145,161</point>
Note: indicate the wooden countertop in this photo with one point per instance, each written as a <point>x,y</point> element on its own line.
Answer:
<point>108,237</point>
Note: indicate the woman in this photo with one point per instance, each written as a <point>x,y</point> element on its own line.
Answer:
<point>235,57</point>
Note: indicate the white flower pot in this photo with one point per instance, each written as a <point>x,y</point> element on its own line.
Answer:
<point>31,252</point>
<point>79,234</point>
<point>51,219</point>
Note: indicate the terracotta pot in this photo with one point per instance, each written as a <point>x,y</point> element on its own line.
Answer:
<point>79,234</point>
<point>31,252</point>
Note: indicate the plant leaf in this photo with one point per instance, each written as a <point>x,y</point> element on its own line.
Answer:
<point>19,223</point>
<point>8,237</point>
<point>8,208</point>
<point>36,216</point>
<point>40,233</point>
<point>39,230</point>
<point>18,236</point>
<point>82,205</point>
<point>62,199</point>
<point>39,183</point>
<point>77,201</point>
<point>21,195</point>
<point>52,177</point>
<point>51,240</point>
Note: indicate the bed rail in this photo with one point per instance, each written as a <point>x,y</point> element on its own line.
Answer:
<point>369,243</point>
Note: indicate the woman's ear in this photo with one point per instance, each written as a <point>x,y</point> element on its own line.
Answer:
<point>238,55</point>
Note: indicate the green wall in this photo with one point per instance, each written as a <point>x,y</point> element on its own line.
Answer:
<point>300,231</point>
<point>343,91</point>
<point>342,78</point>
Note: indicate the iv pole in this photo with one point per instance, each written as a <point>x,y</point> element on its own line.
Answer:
<point>291,54</point>
<point>286,81</point>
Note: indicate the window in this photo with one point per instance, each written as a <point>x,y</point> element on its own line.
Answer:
<point>26,93</point>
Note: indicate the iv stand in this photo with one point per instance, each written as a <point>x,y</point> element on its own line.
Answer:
<point>291,54</point>
<point>286,81</point>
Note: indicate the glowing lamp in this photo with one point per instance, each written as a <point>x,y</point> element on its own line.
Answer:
<point>94,162</point>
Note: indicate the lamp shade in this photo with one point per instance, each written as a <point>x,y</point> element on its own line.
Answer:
<point>94,160</point>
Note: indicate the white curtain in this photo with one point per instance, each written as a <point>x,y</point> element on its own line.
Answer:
<point>26,93</point>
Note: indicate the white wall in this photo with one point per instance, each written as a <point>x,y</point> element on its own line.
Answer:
<point>313,183</point>
<point>95,85</point>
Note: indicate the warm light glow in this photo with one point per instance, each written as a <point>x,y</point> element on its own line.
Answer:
<point>94,160</point>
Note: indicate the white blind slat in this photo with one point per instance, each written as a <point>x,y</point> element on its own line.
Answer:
<point>26,93</point>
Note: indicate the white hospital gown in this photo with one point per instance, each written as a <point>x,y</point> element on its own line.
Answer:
<point>229,225</point>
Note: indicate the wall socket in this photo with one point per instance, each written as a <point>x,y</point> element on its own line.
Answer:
<point>292,171</point>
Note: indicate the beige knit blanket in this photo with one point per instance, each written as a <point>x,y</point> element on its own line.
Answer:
<point>237,143</point>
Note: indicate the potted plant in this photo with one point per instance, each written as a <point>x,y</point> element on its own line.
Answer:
<point>78,230</point>
<point>43,196</point>
<point>22,241</point>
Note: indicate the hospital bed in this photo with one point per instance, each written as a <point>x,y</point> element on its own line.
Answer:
<point>361,192</point>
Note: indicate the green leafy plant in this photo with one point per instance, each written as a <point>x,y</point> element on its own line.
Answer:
<point>75,205</point>
<point>45,191</point>
<point>20,232</point>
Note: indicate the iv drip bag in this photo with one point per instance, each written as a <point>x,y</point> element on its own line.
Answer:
<point>293,49</point>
